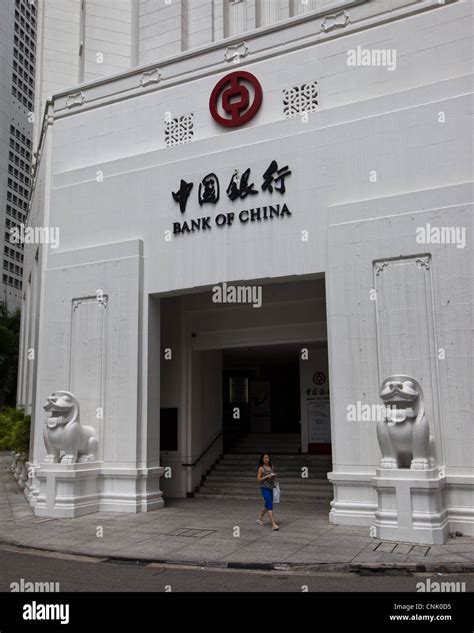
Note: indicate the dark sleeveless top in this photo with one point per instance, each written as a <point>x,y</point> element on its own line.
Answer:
<point>267,483</point>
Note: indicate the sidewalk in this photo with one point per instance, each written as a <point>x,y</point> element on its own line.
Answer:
<point>201,532</point>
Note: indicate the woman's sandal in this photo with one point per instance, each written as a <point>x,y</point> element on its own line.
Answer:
<point>276,528</point>
<point>259,522</point>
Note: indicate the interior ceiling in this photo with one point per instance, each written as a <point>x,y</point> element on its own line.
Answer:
<point>268,353</point>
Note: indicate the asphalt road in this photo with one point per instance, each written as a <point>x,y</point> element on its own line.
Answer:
<point>79,574</point>
<point>201,611</point>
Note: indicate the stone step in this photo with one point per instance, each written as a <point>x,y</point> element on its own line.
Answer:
<point>276,437</point>
<point>248,488</point>
<point>234,476</point>
<point>249,469</point>
<point>230,473</point>
<point>325,492</point>
<point>304,498</point>
<point>315,482</point>
<point>255,490</point>
<point>275,451</point>
<point>259,436</point>
<point>283,476</point>
<point>265,441</point>
<point>277,448</point>
<point>283,442</point>
<point>286,480</point>
<point>278,465</point>
<point>291,468</point>
<point>269,441</point>
<point>256,456</point>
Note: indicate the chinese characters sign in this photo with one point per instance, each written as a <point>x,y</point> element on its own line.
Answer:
<point>240,186</point>
<point>317,408</point>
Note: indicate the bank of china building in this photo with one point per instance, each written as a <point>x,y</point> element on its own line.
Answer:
<point>301,194</point>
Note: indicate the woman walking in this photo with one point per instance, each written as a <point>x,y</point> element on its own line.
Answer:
<point>266,479</point>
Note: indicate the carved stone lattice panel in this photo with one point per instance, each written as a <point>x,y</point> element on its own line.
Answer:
<point>300,99</point>
<point>179,130</point>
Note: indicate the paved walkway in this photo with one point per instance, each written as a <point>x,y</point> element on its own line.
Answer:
<point>220,533</point>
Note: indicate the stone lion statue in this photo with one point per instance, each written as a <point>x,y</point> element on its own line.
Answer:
<point>63,432</point>
<point>404,435</point>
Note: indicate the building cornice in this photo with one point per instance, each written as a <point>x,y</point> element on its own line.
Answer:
<point>299,32</point>
<point>228,42</point>
<point>47,120</point>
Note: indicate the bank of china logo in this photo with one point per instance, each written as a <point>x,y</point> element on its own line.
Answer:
<point>319,378</point>
<point>236,99</point>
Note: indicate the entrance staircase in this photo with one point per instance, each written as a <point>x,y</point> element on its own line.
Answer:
<point>234,476</point>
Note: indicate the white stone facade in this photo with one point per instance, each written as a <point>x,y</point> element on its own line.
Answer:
<point>383,153</point>
<point>83,40</point>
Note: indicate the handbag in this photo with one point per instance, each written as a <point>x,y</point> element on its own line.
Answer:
<point>276,493</point>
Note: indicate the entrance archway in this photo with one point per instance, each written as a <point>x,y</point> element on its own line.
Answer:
<point>237,382</point>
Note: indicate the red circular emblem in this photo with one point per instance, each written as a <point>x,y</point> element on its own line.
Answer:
<point>232,103</point>
<point>319,378</point>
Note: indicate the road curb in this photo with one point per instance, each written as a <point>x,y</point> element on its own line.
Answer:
<point>360,568</point>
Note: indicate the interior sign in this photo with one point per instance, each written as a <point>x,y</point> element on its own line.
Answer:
<point>240,187</point>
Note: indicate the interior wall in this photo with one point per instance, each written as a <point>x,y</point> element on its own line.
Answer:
<point>171,387</point>
<point>152,395</point>
<point>279,368</point>
<point>211,410</point>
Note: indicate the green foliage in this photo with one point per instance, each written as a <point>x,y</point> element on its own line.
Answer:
<point>15,431</point>
<point>9,343</point>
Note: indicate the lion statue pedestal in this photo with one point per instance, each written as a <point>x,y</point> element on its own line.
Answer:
<point>409,486</point>
<point>69,476</point>
<point>410,506</point>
